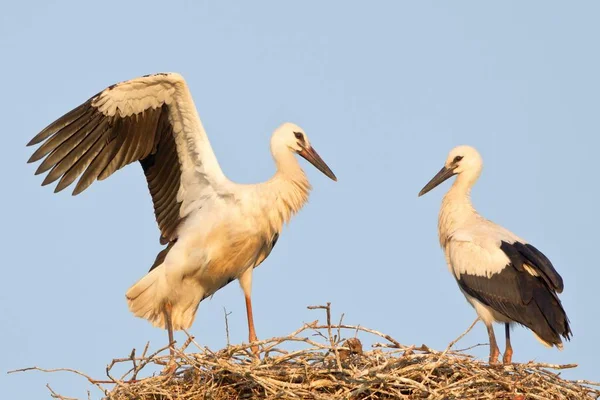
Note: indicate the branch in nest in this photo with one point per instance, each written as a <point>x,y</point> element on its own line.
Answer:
<point>329,367</point>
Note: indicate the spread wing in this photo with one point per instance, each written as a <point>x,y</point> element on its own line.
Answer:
<point>152,120</point>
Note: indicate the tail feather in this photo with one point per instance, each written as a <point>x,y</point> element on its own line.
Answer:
<point>184,310</point>
<point>148,297</point>
<point>545,343</point>
<point>553,321</point>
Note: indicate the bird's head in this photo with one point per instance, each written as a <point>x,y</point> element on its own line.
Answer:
<point>291,137</point>
<point>462,160</point>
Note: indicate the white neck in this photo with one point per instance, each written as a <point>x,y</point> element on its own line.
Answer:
<point>285,193</point>
<point>457,209</point>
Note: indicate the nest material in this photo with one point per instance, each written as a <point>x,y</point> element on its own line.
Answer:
<point>325,366</point>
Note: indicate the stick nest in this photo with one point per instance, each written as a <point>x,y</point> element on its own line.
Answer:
<point>319,363</point>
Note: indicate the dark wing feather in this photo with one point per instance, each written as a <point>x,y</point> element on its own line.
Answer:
<point>542,264</point>
<point>163,177</point>
<point>88,144</point>
<point>60,123</point>
<point>520,296</point>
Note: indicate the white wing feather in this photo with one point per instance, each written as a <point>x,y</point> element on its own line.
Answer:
<point>475,250</point>
<point>201,175</point>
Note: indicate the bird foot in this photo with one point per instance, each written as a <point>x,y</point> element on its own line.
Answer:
<point>170,368</point>
<point>507,359</point>
<point>255,350</point>
<point>493,360</point>
<point>253,347</point>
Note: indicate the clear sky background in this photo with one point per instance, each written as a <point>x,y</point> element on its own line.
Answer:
<point>383,89</point>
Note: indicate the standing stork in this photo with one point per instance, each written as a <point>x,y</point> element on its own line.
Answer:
<point>504,278</point>
<point>215,230</point>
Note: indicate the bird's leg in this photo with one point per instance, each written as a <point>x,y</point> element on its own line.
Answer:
<point>246,284</point>
<point>508,352</point>
<point>171,366</point>
<point>169,326</point>
<point>494,350</point>
<point>251,332</point>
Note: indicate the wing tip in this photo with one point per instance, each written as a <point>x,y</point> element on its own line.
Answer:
<point>34,157</point>
<point>77,190</point>
<point>60,188</point>
<point>43,167</point>
<point>34,140</point>
<point>62,184</point>
<point>40,137</point>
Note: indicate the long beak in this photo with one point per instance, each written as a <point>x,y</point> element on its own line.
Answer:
<point>315,159</point>
<point>440,177</point>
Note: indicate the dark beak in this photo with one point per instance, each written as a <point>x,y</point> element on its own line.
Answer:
<point>313,157</point>
<point>440,177</point>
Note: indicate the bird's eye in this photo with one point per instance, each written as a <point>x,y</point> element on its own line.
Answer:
<point>298,135</point>
<point>457,159</point>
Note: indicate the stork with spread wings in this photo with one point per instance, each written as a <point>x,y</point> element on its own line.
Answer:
<point>215,230</point>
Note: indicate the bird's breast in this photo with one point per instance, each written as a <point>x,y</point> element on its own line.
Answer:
<point>221,253</point>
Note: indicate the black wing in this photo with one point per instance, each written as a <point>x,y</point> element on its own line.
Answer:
<point>522,297</point>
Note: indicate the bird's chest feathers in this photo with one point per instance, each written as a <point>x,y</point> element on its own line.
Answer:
<point>223,252</point>
<point>456,211</point>
<point>470,243</point>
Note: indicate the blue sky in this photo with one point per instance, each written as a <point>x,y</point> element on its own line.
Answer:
<point>383,89</point>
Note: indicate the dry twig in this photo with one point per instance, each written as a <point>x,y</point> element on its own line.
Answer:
<point>389,371</point>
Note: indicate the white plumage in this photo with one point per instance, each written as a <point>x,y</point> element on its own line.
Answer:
<point>216,230</point>
<point>502,276</point>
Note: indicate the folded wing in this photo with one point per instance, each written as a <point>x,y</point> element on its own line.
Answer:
<point>514,279</point>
